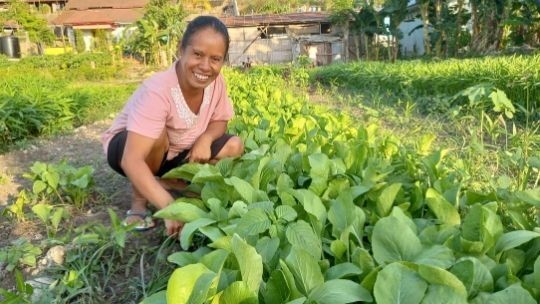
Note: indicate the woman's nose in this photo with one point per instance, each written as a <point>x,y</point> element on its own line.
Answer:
<point>204,64</point>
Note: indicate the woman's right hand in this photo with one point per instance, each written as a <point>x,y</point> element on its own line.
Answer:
<point>173,227</point>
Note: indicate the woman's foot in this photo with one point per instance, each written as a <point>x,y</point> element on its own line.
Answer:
<point>141,221</point>
<point>138,214</point>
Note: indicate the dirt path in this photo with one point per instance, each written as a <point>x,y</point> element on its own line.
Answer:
<point>79,148</point>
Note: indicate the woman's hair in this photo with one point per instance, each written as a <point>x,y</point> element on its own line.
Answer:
<point>201,23</point>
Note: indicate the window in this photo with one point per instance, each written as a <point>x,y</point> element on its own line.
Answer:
<point>326,28</point>
<point>272,32</point>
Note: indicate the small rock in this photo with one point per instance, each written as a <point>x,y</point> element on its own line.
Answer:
<point>56,255</point>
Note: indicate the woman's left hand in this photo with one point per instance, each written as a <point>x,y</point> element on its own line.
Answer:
<point>200,152</point>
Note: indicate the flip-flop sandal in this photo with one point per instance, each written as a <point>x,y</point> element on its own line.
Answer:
<point>146,222</point>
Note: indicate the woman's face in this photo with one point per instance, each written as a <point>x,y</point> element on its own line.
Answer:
<point>201,60</point>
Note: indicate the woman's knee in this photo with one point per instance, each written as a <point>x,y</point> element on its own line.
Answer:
<point>234,147</point>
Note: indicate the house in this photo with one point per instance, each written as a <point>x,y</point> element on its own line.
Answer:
<point>44,6</point>
<point>91,16</point>
<point>280,38</point>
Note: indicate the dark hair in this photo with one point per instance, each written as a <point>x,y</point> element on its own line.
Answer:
<point>203,22</point>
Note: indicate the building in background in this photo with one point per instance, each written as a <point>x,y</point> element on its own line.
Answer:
<point>91,16</point>
<point>281,38</point>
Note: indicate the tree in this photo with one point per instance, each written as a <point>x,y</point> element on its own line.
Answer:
<point>396,10</point>
<point>157,33</point>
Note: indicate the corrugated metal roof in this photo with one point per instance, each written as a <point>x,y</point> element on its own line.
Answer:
<point>98,16</point>
<point>95,4</point>
<point>36,1</point>
<point>276,19</point>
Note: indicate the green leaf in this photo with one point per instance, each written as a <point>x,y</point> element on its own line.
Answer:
<point>250,262</point>
<point>398,284</point>
<point>301,300</point>
<point>513,294</point>
<point>436,255</point>
<point>52,178</point>
<point>180,211</point>
<point>245,189</point>
<point>204,288</point>
<point>435,293</point>
<point>338,248</point>
<point>481,225</point>
<point>312,204</point>
<point>531,196</point>
<point>186,171</point>
<point>189,229</point>
<point>56,217</point>
<point>537,271</point>
<point>42,211</point>
<point>386,199</point>
<point>320,170</point>
<point>342,270</point>
<point>215,260</point>
<point>341,214</point>
<point>207,174</point>
<point>159,297</point>
<point>439,276</point>
<point>254,222</point>
<point>289,278</point>
<point>442,209</point>
<point>183,258</point>
<point>38,187</point>
<point>501,103</point>
<point>286,213</point>
<point>276,291</point>
<point>182,282</point>
<point>302,235</point>
<point>393,241</point>
<point>236,293</point>
<point>267,248</point>
<point>475,276</point>
<point>305,270</point>
<point>238,209</point>
<point>339,291</point>
<point>514,239</point>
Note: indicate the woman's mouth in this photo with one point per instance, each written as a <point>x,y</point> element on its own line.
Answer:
<point>201,77</point>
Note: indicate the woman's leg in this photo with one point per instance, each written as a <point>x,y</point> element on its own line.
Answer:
<point>153,160</point>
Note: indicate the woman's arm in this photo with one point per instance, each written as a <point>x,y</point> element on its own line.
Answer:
<point>136,163</point>
<point>200,152</point>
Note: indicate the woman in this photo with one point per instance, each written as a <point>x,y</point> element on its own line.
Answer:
<point>176,116</point>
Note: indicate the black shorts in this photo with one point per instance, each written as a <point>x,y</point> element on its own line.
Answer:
<point>115,152</point>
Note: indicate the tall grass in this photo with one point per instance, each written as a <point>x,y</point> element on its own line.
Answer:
<point>517,76</point>
<point>40,97</point>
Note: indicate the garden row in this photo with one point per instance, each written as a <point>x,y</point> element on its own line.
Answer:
<point>322,210</point>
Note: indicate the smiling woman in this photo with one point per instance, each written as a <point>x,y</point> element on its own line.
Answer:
<point>176,116</point>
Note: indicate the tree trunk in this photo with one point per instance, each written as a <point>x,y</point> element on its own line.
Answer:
<point>346,41</point>
<point>366,44</point>
<point>475,20</point>
<point>357,46</point>
<point>438,27</point>
<point>424,12</point>
<point>457,35</point>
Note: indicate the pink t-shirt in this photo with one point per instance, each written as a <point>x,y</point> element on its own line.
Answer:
<point>158,103</point>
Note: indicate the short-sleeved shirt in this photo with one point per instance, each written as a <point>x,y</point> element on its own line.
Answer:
<point>159,104</point>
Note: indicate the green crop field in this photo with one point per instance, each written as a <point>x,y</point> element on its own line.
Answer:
<point>381,183</point>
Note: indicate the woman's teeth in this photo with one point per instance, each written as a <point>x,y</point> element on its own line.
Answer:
<point>200,77</point>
